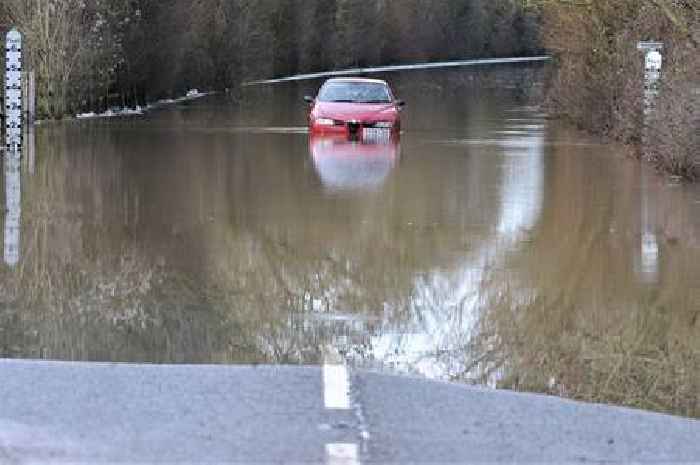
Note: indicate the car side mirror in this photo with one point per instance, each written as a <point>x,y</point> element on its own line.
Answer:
<point>400,103</point>
<point>308,99</point>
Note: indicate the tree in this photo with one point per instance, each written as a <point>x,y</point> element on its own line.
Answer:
<point>97,53</point>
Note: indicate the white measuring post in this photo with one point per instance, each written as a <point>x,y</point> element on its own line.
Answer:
<point>653,62</point>
<point>13,92</point>
<point>649,251</point>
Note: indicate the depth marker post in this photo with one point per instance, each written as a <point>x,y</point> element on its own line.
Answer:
<point>13,92</point>
<point>653,61</point>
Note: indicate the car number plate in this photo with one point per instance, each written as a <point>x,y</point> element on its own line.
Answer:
<point>376,134</point>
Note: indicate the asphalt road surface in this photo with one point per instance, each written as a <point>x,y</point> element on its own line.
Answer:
<point>55,412</point>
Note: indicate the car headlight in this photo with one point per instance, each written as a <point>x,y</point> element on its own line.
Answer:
<point>384,124</point>
<point>325,122</point>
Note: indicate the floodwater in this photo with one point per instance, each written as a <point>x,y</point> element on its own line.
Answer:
<point>490,244</point>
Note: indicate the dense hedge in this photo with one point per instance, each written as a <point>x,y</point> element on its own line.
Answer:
<point>599,81</point>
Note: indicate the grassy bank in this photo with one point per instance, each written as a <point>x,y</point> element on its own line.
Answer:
<point>599,82</point>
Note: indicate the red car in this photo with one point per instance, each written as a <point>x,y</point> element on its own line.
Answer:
<point>355,107</point>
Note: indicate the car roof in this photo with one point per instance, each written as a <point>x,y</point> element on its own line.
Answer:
<point>356,79</point>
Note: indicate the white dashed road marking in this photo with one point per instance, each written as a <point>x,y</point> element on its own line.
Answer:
<point>336,387</point>
<point>336,396</point>
<point>342,454</point>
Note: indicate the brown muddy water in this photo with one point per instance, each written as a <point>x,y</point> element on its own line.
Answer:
<point>489,245</point>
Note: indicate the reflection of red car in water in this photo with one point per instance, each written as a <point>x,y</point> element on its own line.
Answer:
<point>355,107</point>
<point>347,164</point>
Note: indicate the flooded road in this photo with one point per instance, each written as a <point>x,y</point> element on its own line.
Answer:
<point>489,244</point>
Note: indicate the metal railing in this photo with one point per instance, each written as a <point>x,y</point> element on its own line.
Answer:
<point>409,67</point>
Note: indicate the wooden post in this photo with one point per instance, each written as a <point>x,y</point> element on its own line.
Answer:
<point>29,117</point>
<point>28,98</point>
<point>24,95</point>
<point>30,101</point>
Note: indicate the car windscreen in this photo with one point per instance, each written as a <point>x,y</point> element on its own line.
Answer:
<point>356,92</point>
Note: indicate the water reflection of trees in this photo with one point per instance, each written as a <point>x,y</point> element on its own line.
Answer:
<point>150,243</point>
<point>129,254</point>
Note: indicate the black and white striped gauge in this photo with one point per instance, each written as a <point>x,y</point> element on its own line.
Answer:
<point>13,91</point>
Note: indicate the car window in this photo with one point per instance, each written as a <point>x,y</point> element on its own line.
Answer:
<point>359,92</point>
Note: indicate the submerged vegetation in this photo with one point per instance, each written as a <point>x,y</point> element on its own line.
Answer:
<point>646,356</point>
<point>590,318</point>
